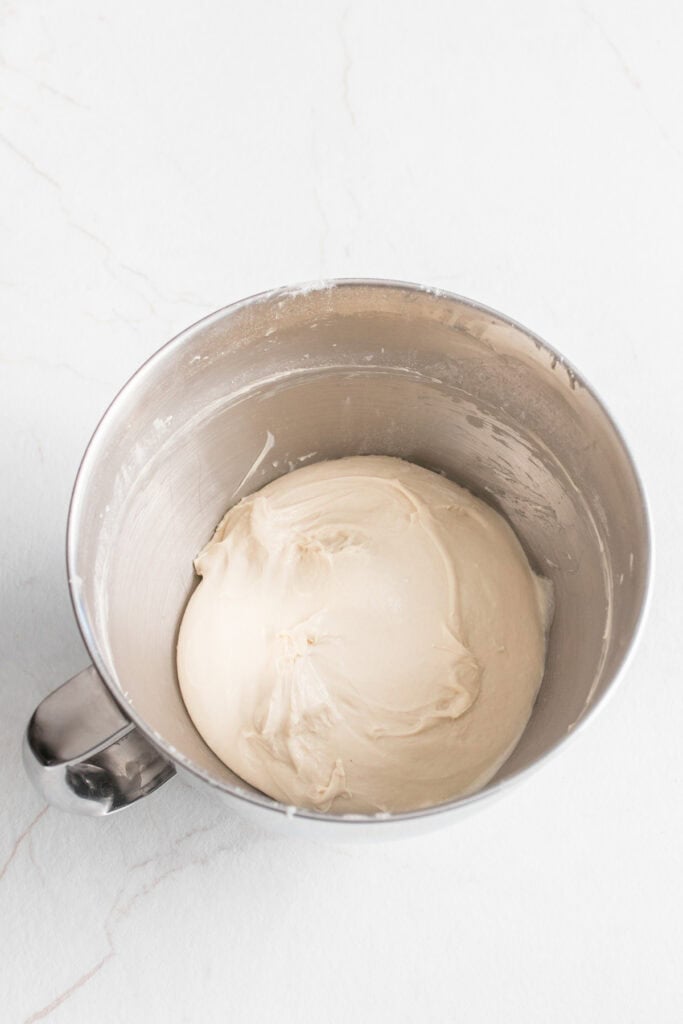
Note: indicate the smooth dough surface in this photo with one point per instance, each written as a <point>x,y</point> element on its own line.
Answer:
<point>367,637</point>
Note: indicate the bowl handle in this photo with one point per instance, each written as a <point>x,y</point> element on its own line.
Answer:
<point>84,755</point>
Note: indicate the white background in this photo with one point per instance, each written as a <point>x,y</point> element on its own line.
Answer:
<point>157,161</point>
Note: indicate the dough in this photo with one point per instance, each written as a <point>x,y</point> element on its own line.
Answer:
<point>367,637</point>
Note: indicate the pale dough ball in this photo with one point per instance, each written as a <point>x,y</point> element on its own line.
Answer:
<point>367,636</point>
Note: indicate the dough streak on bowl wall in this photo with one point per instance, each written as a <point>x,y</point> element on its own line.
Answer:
<point>367,637</point>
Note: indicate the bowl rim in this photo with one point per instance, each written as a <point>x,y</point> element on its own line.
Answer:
<point>77,507</point>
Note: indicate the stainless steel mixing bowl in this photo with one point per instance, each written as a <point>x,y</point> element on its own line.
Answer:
<point>317,372</point>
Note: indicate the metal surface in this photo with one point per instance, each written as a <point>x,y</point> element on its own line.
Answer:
<point>85,755</point>
<point>297,375</point>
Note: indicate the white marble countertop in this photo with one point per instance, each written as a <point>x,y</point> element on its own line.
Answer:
<point>159,160</point>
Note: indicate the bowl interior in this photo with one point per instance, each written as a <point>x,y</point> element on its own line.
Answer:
<point>357,368</point>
